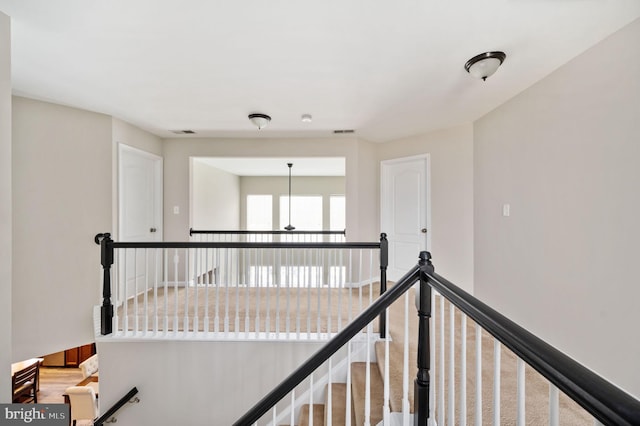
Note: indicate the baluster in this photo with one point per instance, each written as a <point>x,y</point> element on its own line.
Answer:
<point>156,265</point>
<point>478,408</point>
<point>340,286</point>
<point>176,260</point>
<point>198,272</point>
<point>277,289</point>
<point>246,267</point>
<point>386,410</point>
<point>367,381</point>
<point>299,271</point>
<point>554,406</point>
<point>166,292</point>
<point>218,262</point>
<point>311,400</point>
<point>318,291</point>
<point>307,279</point>
<point>288,283</point>
<point>451,399</point>
<point>496,381</point>
<point>405,363</point>
<point>187,276</point>
<point>328,286</point>
<point>292,405</point>
<point>520,393</point>
<point>238,277</point>
<point>146,292</point>
<point>463,370</point>
<point>329,405</point>
<point>348,387</point>
<point>125,298</point>
<point>227,280</point>
<point>441,368</point>
<point>207,282</point>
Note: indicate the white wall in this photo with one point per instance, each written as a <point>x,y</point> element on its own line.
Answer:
<point>278,186</point>
<point>451,156</point>
<point>564,154</point>
<point>5,207</point>
<point>358,187</point>
<point>215,197</point>
<point>61,199</point>
<point>194,383</point>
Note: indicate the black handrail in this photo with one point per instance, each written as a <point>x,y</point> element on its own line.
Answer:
<point>276,232</point>
<point>118,405</point>
<point>323,354</point>
<point>606,402</point>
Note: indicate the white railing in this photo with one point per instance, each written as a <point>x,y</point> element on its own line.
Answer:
<point>302,291</point>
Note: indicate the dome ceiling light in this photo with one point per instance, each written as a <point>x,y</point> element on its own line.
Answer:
<point>484,64</point>
<point>259,120</point>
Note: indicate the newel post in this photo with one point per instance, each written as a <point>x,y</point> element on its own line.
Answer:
<point>422,382</point>
<point>106,259</point>
<point>384,262</point>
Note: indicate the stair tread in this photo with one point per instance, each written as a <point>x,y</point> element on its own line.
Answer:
<point>318,415</point>
<point>358,384</point>
<point>338,404</point>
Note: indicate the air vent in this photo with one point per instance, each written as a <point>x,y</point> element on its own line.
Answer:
<point>338,132</point>
<point>183,132</point>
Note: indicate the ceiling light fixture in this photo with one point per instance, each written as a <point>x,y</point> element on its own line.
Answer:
<point>289,227</point>
<point>484,64</point>
<point>259,120</point>
<point>306,118</point>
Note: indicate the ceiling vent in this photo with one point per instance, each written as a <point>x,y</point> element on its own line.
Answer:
<point>183,132</point>
<point>340,132</point>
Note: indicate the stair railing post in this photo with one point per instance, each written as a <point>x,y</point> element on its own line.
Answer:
<point>384,262</point>
<point>422,382</point>
<point>106,259</point>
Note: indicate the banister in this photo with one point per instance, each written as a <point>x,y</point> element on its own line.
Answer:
<point>323,354</point>
<point>606,402</point>
<point>118,405</point>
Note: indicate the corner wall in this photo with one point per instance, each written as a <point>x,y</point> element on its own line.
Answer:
<point>564,154</point>
<point>61,199</point>
<point>5,207</point>
<point>215,198</point>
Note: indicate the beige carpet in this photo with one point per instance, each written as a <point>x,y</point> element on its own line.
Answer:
<point>321,310</point>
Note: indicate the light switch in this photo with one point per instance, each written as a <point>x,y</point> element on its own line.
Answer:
<point>176,209</point>
<point>506,210</point>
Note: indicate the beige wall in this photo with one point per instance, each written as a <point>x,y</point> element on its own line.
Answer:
<point>564,154</point>
<point>359,188</point>
<point>277,186</point>
<point>5,206</point>
<point>61,199</point>
<point>451,158</point>
<point>215,198</point>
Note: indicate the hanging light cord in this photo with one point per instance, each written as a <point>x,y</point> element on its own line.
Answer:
<point>289,227</point>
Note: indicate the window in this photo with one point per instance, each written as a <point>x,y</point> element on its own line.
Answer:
<point>306,212</point>
<point>337,221</point>
<point>259,213</point>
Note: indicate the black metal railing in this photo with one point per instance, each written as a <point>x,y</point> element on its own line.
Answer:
<point>603,400</point>
<point>129,397</point>
<point>108,246</point>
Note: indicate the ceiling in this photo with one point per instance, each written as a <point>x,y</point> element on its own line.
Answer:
<point>385,69</point>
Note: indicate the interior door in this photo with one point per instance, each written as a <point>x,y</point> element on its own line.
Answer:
<point>140,216</point>
<point>404,211</point>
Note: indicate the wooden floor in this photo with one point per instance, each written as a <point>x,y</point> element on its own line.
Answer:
<point>54,381</point>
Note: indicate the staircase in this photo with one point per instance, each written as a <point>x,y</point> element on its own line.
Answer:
<point>358,378</point>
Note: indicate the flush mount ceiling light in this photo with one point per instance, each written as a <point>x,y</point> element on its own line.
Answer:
<point>259,120</point>
<point>306,118</point>
<point>484,64</point>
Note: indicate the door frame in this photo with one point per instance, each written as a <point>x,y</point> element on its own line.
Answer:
<point>123,150</point>
<point>386,209</point>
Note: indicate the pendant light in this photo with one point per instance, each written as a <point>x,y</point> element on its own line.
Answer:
<point>289,227</point>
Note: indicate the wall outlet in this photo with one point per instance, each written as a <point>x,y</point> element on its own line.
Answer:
<point>176,209</point>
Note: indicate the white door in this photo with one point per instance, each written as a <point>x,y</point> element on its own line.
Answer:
<point>404,211</point>
<point>139,216</point>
